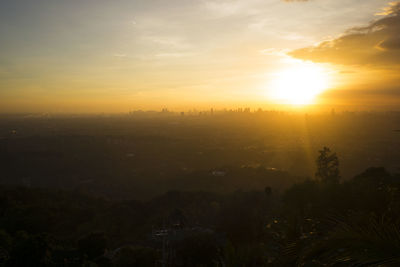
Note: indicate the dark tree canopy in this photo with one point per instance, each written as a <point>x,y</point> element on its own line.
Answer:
<point>327,166</point>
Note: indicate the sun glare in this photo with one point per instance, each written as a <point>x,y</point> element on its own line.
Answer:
<point>299,84</point>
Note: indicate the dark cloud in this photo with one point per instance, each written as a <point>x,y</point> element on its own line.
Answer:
<point>386,97</point>
<point>376,44</point>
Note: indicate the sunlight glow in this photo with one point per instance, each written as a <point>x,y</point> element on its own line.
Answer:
<point>299,84</point>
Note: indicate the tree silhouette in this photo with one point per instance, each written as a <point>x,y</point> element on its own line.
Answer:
<point>327,166</point>
<point>93,245</point>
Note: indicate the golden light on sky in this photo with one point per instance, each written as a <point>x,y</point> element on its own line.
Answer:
<point>299,84</point>
<point>95,56</point>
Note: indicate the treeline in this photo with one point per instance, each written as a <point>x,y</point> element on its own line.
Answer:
<point>318,222</point>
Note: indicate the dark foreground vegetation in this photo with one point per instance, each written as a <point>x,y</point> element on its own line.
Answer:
<point>313,223</point>
<point>244,212</point>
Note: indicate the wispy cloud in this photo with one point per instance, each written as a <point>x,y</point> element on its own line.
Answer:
<point>392,8</point>
<point>274,52</point>
<point>120,55</point>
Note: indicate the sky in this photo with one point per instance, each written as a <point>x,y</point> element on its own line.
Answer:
<point>120,55</point>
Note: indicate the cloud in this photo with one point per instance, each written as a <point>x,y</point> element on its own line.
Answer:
<point>274,52</point>
<point>224,8</point>
<point>376,44</point>
<point>120,55</point>
<point>392,8</point>
<point>374,96</point>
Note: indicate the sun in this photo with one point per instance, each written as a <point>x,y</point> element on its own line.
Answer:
<point>299,84</point>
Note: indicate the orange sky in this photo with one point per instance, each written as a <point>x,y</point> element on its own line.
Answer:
<point>116,56</point>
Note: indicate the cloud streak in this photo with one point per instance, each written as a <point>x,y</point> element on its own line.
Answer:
<point>376,44</point>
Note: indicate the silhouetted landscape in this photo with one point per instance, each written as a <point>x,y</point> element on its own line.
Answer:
<point>210,188</point>
<point>200,133</point>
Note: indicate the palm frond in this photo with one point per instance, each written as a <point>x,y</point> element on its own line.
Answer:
<point>372,243</point>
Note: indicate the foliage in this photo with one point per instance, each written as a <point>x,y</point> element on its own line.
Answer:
<point>93,245</point>
<point>369,243</point>
<point>327,166</point>
<point>322,222</point>
<point>136,256</point>
<point>200,249</point>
